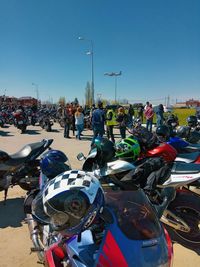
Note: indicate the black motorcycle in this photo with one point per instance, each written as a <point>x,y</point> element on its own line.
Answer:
<point>45,123</point>
<point>22,168</point>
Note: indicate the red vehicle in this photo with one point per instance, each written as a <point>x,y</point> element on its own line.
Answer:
<point>169,154</point>
<point>20,120</point>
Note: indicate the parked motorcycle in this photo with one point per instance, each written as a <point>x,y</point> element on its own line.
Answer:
<point>46,123</point>
<point>183,146</point>
<point>179,175</point>
<point>2,121</point>
<point>126,220</point>
<point>20,120</point>
<point>22,168</point>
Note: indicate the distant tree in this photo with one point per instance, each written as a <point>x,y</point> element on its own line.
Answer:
<point>113,102</point>
<point>105,102</point>
<point>62,101</point>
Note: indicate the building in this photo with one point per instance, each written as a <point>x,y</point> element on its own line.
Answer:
<point>14,101</point>
<point>193,103</point>
<point>27,101</point>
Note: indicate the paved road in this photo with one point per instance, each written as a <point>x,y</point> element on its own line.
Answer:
<point>14,237</point>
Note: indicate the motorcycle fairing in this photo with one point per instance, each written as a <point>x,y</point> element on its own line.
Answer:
<point>188,157</point>
<point>164,150</point>
<point>135,238</point>
<point>82,252</point>
<point>181,175</point>
<point>177,142</point>
<point>116,248</point>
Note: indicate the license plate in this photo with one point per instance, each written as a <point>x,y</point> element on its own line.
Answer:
<point>20,122</point>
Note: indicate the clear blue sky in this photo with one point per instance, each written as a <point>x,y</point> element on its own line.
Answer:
<point>155,43</point>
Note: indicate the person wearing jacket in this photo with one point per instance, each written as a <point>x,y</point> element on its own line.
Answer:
<point>149,113</point>
<point>67,118</point>
<point>122,119</point>
<point>98,121</point>
<point>110,123</point>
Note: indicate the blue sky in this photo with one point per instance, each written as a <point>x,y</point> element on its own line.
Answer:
<point>155,43</point>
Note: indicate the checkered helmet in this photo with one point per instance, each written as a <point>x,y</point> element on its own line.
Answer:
<point>72,200</point>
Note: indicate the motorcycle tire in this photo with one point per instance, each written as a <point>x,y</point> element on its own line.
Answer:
<point>48,128</point>
<point>23,129</point>
<point>186,206</point>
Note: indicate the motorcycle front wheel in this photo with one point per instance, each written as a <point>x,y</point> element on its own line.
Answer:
<point>186,206</point>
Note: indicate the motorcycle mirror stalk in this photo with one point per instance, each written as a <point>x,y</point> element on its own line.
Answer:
<point>80,156</point>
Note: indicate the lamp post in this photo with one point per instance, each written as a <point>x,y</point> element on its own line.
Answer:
<point>91,53</point>
<point>115,74</point>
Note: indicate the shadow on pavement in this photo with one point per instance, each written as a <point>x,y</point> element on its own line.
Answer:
<point>5,133</point>
<point>12,214</point>
<point>55,131</point>
<point>5,126</point>
<point>32,132</point>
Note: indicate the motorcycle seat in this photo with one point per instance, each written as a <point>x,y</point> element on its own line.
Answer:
<point>187,157</point>
<point>27,152</point>
<point>185,168</point>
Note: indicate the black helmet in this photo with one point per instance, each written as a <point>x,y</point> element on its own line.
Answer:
<point>192,121</point>
<point>106,147</point>
<point>163,131</point>
<point>53,163</point>
<point>183,131</point>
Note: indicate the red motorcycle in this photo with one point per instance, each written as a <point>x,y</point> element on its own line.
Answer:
<point>169,154</point>
<point>20,120</point>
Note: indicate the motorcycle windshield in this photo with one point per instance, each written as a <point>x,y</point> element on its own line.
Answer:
<point>90,160</point>
<point>134,214</point>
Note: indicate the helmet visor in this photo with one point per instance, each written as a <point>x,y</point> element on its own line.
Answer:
<point>121,148</point>
<point>68,208</point>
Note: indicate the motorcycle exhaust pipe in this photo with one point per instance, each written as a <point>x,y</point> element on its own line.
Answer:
<point>35,238</point>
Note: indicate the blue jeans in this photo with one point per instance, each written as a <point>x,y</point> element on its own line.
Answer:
<point>66,129</point>
<point>159,120</point>
<point>79,128</point>
<point>97,132</point>
<point>122,131</point>
<point>149,125</point>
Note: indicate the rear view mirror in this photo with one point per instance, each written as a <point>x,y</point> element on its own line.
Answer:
<point>80,156</point>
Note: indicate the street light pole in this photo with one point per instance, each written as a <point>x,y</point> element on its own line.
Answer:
<point>115,74</point>
<point>91,53</point>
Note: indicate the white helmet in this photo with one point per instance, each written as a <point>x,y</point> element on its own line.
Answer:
<point>72,200</point>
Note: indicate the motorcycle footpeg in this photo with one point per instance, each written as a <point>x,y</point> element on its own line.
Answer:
<point>36,249</point>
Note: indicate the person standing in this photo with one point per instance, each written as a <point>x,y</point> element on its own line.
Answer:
<point>98,121</point>
<point>149,113</point>
<point>122,119</point>
<point>146,106</point>
<point>67,119</point>
<point>110,123</point>
<point>140,110</point>
<point>74,109</point>
<point>131,114</point>
<point>159,115</point>
<point>79,122</point>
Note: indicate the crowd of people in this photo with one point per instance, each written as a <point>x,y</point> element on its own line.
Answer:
<point>102,120</point>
